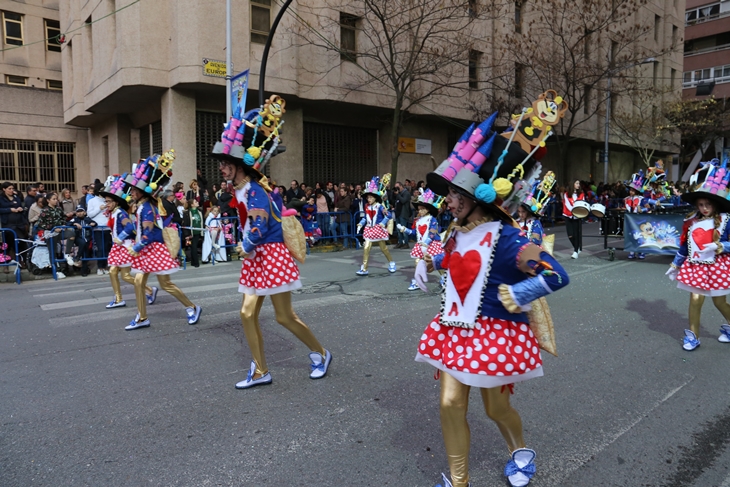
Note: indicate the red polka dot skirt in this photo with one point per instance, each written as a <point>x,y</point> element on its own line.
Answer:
<point>711,279</point>
<point>497,351</point>
<point>119,256</point>
<point>434,248</point>
<point>270,269</point>
<point>155,259</point>
<point>375,234</point>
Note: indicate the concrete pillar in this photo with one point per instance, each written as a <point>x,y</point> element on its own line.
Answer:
<point>290,164</point>
<point>178,132</point>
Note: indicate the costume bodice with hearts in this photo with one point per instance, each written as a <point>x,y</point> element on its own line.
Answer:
<point>504,270</point>
<point>373,215</point>
<point>422,226</point>
<point>260,218</point>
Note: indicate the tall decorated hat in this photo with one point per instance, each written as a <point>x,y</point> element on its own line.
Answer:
<point>251,140</point>
<point>638,182</point>
<point>711,181</point>
<point>485,166</point>
<point>116,189</point>
<point>151,175</point>
<point>376,187</point>
<point>429,200</point>
<point>536,201</point>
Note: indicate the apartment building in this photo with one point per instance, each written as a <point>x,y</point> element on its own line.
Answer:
<point>706,49</point>
<point>35,143</point>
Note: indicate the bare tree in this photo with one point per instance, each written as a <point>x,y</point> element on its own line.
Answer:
<point>408,54</point>
<point>574,47</point>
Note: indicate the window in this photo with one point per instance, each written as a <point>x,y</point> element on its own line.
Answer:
<point>586,45</point>
<point>655,74</point>
<point>16,80</point>
<point>150,139</point>
<point>519,80</point>
<point>672,78</point>
<point>13,28</point>
<point>587,99</point>
<point>473,9</point>
<point>518,15</point>
<point>474,69</point>
<point>260,20</point>
<point>53,84</point>
<point>702,14</point>
<point>348,47</point>
<point>28,162</point>
<point>614,53</point>
<point>675,33</point>
<point>657,27</point>
<point>326,146</point>
<point>53,33</point>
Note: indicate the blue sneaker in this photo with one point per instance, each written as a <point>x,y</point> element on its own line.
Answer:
<point>113,304</point>
<point>362,271</point>
<point>319,364</point>
<point>136,323</point>
<point>413,286</point>
<point>632,255</point>
<point>641,256</point>
<point>521,468</point>
<point>193,314</point>
<point>724,334</point>
<point>391,267</point>
<point>151,298</point>
<point>690,341</point>
<point>251,382</point>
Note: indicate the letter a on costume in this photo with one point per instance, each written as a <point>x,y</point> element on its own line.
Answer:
<point>486,240</point>
<point>454,310</point>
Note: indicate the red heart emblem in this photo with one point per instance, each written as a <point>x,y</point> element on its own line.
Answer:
<point>371,213</point>
<point>463,270</point>
<point>702,237</point>
<point>422,229</point>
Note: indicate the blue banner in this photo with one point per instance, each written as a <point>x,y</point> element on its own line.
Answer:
<point>652,234</point>
<point>239,90</point>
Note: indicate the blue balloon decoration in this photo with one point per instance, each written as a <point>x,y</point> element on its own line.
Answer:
<point>249,160</point>
<point>485,193</point>
<point>148,189</point>
<point>534,208</point>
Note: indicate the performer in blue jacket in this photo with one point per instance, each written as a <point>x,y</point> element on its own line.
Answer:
<point>115,195</point>
<point>150,253</point>
<point>268,268</point>
<point>426,228</point>
<point>482,336</point>
<point>374,224</point>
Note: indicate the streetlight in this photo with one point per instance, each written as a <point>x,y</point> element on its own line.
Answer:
<point>607,125</point>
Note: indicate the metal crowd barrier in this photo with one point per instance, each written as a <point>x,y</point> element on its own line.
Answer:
<point>233,220</point>
<point>6,261</point>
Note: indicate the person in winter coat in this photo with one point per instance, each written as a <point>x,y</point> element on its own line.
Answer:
<point>12,217</point>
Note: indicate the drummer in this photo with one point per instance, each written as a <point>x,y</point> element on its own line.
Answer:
<point>573,224</point>
<point>636,204</point>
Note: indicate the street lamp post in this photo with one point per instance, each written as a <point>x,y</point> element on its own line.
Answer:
<point>607,124</point>
<point>229,71</point>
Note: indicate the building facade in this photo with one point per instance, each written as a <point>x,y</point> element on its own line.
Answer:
<point>706,49</point>
<point>35,143</point>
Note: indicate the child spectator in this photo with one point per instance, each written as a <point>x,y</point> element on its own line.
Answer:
<point>81,239</point>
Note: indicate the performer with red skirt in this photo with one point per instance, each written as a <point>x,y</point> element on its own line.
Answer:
<point>426,229</point>
<point>482,336</point>
<point>150,254</point>
<point>702,263</point>
<point>116,197</point>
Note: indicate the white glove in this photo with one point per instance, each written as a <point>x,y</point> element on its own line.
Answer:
<point>400,228</point>
<point>359,227</point>
<point>710,246</point>
<point>421,275</point>
<point>672,273</point>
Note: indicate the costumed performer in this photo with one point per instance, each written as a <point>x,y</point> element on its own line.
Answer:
<point>374,223</point>
<point>634,203</point>
<point>268,268</point>
<point>481,337</point>
<point>573,224</point>
<point>150,253</point>
<point>116,196</point>
<point>702,263</point>
<point>533,207</point>
<point>426,229</point>
<point>214,242</point>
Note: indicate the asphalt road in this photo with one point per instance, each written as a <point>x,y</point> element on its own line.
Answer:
<point>86,403</point>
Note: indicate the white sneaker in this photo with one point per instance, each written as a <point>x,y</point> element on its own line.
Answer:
<point>69,260</point>
<point>319,364</point>
<point>99,272</point>
<point>521,468</point>
<point>105,271</point>
<point>724,334</point>
<point>574,256</point>
<point>60,275</point>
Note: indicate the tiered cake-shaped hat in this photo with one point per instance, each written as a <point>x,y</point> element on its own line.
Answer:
<point>116,189</point>
<point>429,200</point>
<point>638,181</point>
<point>152,174</point>
<point>377,187</point>
<point>711,181</point>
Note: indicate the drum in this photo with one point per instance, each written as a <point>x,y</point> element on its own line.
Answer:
<point>598,210</point>
<point>581,209</point>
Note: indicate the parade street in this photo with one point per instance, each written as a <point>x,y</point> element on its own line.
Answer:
<point>86,403</point>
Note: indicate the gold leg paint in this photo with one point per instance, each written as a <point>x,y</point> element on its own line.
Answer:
<point>126,275</point>
<point>385,250</point>
<point>250,309</point>
<point>167,285</point>
<point>286,317</point>
<point>140,283</point>
<point>499,410</point>
<point>114,277</point>
<point>366,246</point>
<point>722,306</point>
<point>695,310</point>
<point>455,429</point>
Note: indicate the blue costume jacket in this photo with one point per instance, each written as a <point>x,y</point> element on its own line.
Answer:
<point>683,251</point>
<point>146,234</point>
<point>260,218</point>
<point>505,270</point>
<point>120,231</point>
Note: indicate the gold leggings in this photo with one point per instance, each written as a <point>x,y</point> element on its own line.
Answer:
<point>140,286</point>
<point>695,310</point>
<point>455,429</point>
<point>366,252</point>
<point>285,315</point>
<point>126,275</point>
